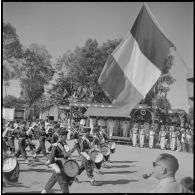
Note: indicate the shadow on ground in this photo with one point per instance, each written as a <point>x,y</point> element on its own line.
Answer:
<point>123,161</point>
<point>9,185</point>
<point>119,172</point>
<point>120,166</point>
<point>116,182</point>
<point>37,170</point>
<point>113,182</point>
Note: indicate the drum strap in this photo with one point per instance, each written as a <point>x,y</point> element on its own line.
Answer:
<point>62,149</point>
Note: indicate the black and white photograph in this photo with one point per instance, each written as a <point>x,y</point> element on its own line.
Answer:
<point>97,97</point>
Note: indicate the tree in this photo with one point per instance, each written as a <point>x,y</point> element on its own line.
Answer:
<point>161,102</point>
<point>191,115</point>
<point>80,70</point>
<point>13,102</point>
<point>35,72</point>
<point>161,87</point>
<point>12,53</point>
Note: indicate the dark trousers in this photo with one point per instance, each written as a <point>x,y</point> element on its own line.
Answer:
<point>21,150</point>
<point>86,165</point>
<point>30,144</point>
<point>41,146</point>
<point>61,179</point>
<point>10,143</point>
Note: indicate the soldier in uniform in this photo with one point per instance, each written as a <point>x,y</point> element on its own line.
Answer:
<point>135,134</point>
<point>162,137</point>
<point>152,136</point>
<point>167,137</point>
<point>57,154</point>
<point>96,144</point>
<point>22,136</point>
<point>83,145</point>
<point>42,138</point>
<point>184,141</point>
<point>164,169</point>
<point>142,136</point>
<point>179,139</point>
<point>103,134</point>
<point>191,140</point>
<point>55,136</point>
<point>10,136</point>
<point>173,138</point>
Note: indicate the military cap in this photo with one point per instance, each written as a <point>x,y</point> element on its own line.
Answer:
<point>167,161</point>
<point>62,131</point>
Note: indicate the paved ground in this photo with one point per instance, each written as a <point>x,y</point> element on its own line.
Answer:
<point>123,176</point>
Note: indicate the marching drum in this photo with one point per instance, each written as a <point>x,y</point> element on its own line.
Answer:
<point>11,169</point>
<point>95,155</point>
<point>71,168</point>
<point>112,147</point>
<point>105,150</point>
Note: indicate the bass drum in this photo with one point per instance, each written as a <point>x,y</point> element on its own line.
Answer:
<point>11,169</point>
<point>71,168</point>
<point>112,146</point>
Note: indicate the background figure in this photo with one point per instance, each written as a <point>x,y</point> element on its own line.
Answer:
<point>135,134</point>
<point>152,137</point>
<point>188,184</point>
<point>162,137</point>
<point>173,138</point>
<point>191,141</point>
<point>142,136</point>
<point>110,126</point>
<point>179,149</point>
<point>184,141</point>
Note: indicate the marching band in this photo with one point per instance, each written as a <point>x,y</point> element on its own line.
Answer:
<point>94,149</point>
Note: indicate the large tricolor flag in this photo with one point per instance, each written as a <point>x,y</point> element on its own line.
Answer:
<point>136,64</point>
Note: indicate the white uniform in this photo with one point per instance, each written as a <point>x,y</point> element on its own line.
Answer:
<point>173,140</point>
<point>135,136</point>
<point>142,136</point>
<point>162,140</point>
<point>151,139</point>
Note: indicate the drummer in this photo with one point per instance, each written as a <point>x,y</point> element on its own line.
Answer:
<point>55,136</point>
<point>58,151</point>
<point>96,144</point>
<point>9,136</point>
<point>22,136</point>
<point>83,145</point>
<point>103,134</point>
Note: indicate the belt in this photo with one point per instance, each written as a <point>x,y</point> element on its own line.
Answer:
<point>21,138</point>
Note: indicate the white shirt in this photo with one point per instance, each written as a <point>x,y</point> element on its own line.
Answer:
<point>169,185</point>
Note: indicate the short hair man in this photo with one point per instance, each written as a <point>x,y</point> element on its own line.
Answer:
<point>165,168</point>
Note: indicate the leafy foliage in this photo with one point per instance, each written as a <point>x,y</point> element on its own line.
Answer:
<point>35,72</point>
<point>13,102</point>
<point>78,73</point>
<point>161,87</point>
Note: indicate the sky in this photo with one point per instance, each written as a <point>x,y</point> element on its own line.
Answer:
<point>62,26</point>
